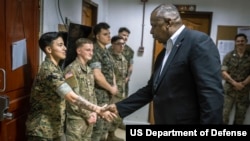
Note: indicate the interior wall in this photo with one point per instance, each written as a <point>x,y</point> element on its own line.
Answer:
<point>129,13</point>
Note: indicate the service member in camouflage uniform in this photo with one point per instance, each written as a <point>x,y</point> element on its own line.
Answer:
<point>103,69</point>
<point>236,73</point>
<point>79,122</point>
<point>121,67</point>
<point>128,53</point>
<point>46,117</point>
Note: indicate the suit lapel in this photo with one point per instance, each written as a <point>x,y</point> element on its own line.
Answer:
<point>157,67</point>
<point>169,60</point>
<point>176,47</point>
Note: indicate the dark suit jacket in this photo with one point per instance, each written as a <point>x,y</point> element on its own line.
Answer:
<point>189,90</point>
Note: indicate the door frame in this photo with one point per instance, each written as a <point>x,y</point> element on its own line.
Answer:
<point>89,6</point>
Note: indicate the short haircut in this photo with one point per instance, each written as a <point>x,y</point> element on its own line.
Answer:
<point>121,29</point>
<point>241,35</point>
<point>97,28</point>
<point>81,41</point>
<point>115,38</point>
<point>168,11</point>
<point>47,38</point>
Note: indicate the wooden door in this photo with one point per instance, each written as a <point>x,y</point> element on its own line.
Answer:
<point>19,20</point>
<point>200,21</point>
<point>89,13</point>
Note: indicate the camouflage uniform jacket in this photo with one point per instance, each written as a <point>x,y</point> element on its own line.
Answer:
<point>104,61</point>
<point>128,53</point>
<point>237,67</point>
<point>121,68</point>
<point>83,85</point>
<point>47,109</point>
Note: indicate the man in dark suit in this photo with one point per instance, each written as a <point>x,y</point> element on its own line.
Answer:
<point>186,84</point>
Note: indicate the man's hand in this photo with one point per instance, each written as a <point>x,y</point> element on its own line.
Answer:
<point>112,108</point>
<point>105,113</point>
<point>238,85</point>
<point>108,116</point>
<point>92,118</point>
<point>114,90</point>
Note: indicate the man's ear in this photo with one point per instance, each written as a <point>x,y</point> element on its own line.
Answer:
<point>78,50</point>
<point>168,22</point>
<point>97,36</point>
<point>48,49</point>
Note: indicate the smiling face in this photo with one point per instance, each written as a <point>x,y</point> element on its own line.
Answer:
<point>124,35</point>
<point>85,52</point>
<point>241,42</point>
<point>56,50</point>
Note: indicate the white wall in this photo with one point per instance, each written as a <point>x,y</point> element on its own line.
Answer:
<point>129,13</point>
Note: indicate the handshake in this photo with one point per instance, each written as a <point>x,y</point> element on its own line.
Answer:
<point>108,112</point>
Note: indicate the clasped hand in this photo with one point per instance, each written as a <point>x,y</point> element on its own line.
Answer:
<point>108,112</point>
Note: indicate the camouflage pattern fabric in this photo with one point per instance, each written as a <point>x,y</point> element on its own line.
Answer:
<point>34,138</point>
<point>47,109</point>
<point>128,53</point>
<point>102,60</point>
<point>77,128</point>
<point>239,69</point>
<point>99,130</point>
<point>120,68</point>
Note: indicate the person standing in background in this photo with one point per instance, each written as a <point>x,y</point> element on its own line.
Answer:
<point>128,53</point>
<point>49,91</point>
<point>120,67</point>
<point>236,73</point>
<point>103,69</point>
<point>79,122</point>
<point>186,82</point>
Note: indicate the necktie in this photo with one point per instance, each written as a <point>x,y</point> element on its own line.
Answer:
<point>168,50</point>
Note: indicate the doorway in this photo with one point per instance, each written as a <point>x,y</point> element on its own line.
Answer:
<point>19,26</point>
